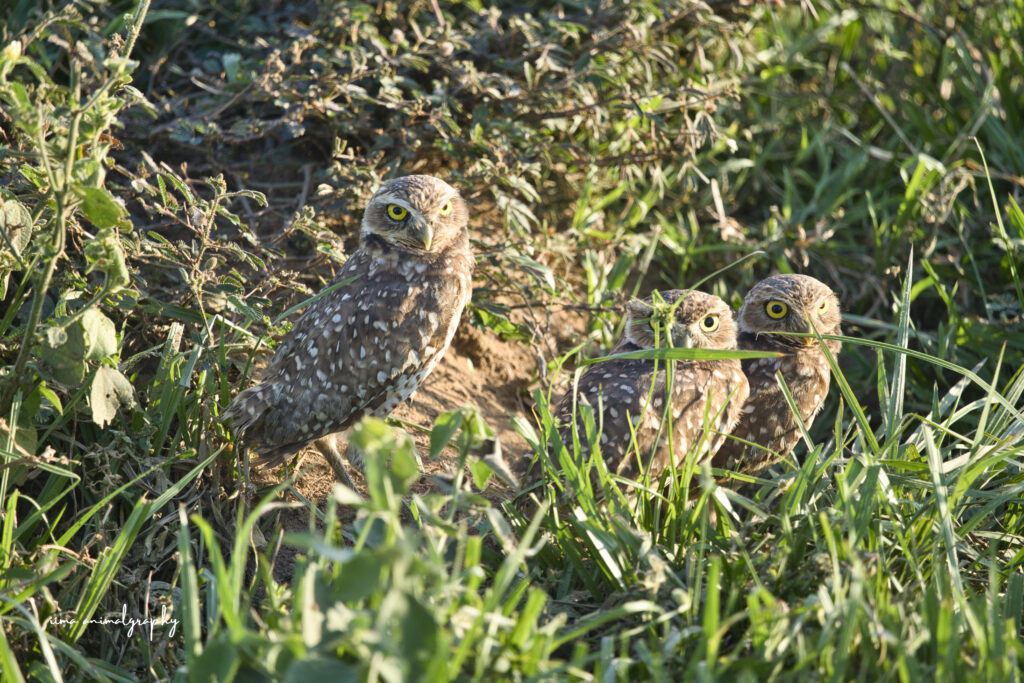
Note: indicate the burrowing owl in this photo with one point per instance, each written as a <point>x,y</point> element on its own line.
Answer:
<point>783,303</point>
<point>702,392</point>
<point>365,347</point>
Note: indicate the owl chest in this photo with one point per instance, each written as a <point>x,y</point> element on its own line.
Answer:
<point>809,384</point>
<point>425,330</point>
<point>404,384</point>
<point>443,317</point>
<point>806,376</point>
<point>403,388</point>
<point>683,417</point>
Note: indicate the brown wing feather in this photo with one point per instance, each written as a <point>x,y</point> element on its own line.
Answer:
<point>766,419</point>
<point>625,390</point>
<point>361,349</point>
<point>621,388</point>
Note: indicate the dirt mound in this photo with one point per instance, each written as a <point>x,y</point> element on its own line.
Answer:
<point>479,369</point>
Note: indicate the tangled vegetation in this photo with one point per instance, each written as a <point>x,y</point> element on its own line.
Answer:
<point>176,179</point>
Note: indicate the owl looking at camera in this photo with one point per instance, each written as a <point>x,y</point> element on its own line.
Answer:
<point>365,347</point>
<point>647,411</point>
<point>772,308</point>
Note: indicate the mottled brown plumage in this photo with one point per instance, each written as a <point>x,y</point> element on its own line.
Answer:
<point>620,391</point>
<point>783,303</point>
<point>365,347</point>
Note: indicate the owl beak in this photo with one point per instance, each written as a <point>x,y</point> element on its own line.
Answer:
<point>810,341</point>
<point>423,233</point>
<point>680,338</point>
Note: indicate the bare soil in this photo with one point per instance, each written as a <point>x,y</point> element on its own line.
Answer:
<point>479,369</point>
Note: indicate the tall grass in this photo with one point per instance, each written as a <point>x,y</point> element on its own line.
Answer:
<point>174,178</point>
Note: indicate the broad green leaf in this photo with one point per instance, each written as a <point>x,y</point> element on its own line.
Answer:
<point>231,60</point>
<point>105,253</point>
<point>100,335</point>
<point>419,629</point>
<point>15,233</point>
<point>444,429</point>
<point>20,95</point>
<point>110,390</point>
<point>346,496</point>
<point>26,438</point>
<point>481,472</point>
<point>66,353</point>
<point>219,660</point>
<point>360,577</point>
<point>16,221</point>
<point>487,316</point>
<point>403,463</point>
<point>320,669</point>
<point>99,207</point>
<point>56,336</point>
<point>389,458</point>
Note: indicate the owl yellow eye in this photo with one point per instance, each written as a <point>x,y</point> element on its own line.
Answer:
<point>776,309</point>
<point>823,307</point>
<point>709,323</point>
<point>396,212</point>
<point>447,208</point>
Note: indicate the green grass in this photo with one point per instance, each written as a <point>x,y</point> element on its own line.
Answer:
<point>173,178</point>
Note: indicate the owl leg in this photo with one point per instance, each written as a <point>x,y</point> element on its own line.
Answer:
<point>339,459</point>
<point>355,458</point>
<point>330,448</point>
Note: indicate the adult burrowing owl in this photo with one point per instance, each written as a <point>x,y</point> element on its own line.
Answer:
<point>783,303</point>
<point>365,347</point>
<point>702,392</point>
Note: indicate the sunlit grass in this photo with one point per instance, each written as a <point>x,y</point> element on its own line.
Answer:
<point>156,236</point>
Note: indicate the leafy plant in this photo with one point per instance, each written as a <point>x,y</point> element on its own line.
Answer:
<point>175,181</point>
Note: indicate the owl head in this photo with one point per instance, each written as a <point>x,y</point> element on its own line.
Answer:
<point>418,213</point>
<point>789,303</point>
<point>681,319</point>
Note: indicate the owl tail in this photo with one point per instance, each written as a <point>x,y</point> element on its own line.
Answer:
<point>278,455</point>
<point>249,414</point>
<point>247,408</point>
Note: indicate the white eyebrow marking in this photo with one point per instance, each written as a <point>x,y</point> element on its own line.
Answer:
<point>404,204</point>
<point>387,198</point>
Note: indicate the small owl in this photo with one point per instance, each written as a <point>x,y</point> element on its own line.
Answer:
<point>620,392</point>
<point>783,303</point>
<point>365,347</point>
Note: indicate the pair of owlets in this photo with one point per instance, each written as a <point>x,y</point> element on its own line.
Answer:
<point>364,348</point>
